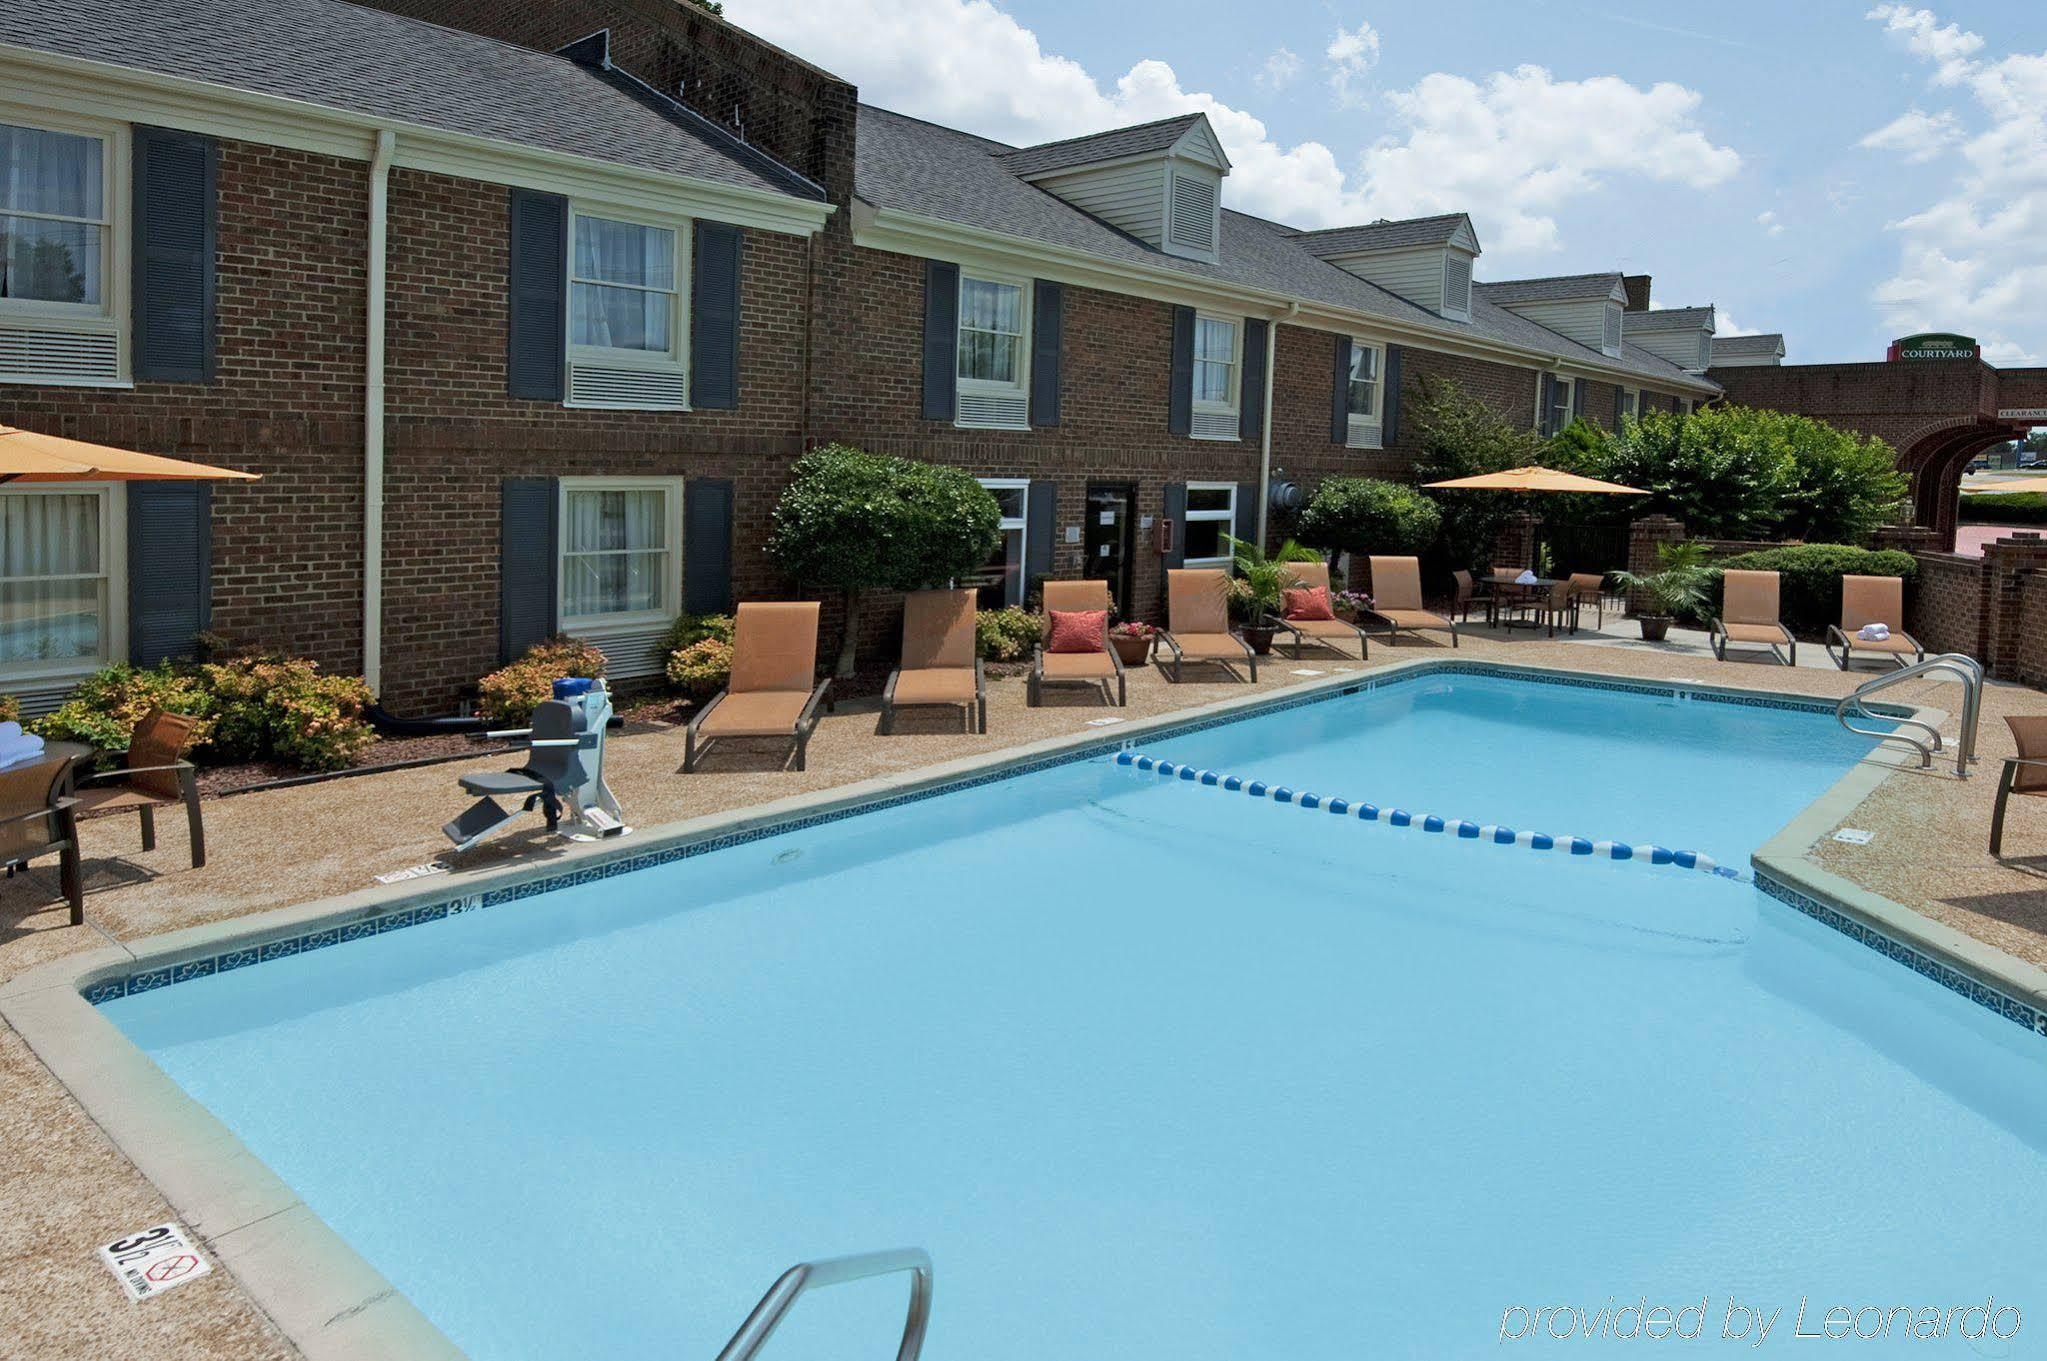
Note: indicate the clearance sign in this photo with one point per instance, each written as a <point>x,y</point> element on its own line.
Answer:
<point>1934,345</point>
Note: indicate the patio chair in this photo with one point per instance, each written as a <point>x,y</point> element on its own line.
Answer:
<point>939,662</point>
<point>1397,599</point>
<point>1198,620</point>
<point>1749,614</point>
<point>774,690</point>
<point>38,818</point>
<point>1313,576</point>
<point>1471,592</point>
<point>152,775</point>
<point>2024,774</point>
<point>1589,588</point>
<point>1866,601</point>
<point>1092,666</point>
<point>563,775</point>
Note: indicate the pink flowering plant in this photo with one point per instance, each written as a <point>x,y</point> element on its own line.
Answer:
<point>1135,628</point>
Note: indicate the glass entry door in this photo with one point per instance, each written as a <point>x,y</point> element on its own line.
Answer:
<point>1110,538</point>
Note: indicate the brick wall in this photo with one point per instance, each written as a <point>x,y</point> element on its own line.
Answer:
<point>2029,645</point>
<point>1947,606</point>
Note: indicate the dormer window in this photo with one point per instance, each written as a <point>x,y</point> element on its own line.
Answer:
<point>1160,182</point>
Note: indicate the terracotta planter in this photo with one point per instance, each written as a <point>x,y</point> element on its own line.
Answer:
<point>1131,651</point>
<point>1654,626</point>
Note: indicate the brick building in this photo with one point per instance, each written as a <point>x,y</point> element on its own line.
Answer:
<point>524,311</point>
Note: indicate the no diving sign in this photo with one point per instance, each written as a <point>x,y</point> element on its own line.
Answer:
<point>152,1261</point>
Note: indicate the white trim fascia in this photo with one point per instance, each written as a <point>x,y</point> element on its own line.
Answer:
<point>105,90</point>
<point>906,233</point>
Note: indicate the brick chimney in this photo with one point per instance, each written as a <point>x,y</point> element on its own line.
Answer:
<point>1637,286</point>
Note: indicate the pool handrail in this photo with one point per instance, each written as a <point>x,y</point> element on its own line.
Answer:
<point>1957,664</point>
<point>804,1276</point>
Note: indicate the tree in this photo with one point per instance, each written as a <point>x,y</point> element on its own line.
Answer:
<point>710,7</point>
<point>857,522</point>
<point>1461,436</point>
<point>1369,515</point>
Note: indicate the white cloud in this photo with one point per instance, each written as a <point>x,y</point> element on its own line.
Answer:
<point>1351,53</point>
<point>1917,136</point>
<point>1948,48</point>
<point>1767,220</point>
<point>1975,259</point>
<point>1511,149</point>
<point>1279,70</point>
<point>1724,324</point>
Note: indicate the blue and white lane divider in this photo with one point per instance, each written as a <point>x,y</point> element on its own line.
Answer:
<point>1487,833</point>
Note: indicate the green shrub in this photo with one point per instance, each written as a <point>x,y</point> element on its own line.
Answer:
<point>282,708</point>
<point>1809,586</point>
<point>510,694</point>
<point>1369,515</point>
<point>103,711</point>
<point>2006,508</point>
<point>690,629</point>
<point>701,669</point>
<point>860,522</point>
<point>1008,634</point>
<point>10,709</point>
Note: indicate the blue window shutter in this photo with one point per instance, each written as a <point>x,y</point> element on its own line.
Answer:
<point>1251,392</point>
<point>1246,527</point>
<point>1578,398</point>
<point>1389,387</point>
<point>1180,399</point>
<point>941,339</point>
<point>1339,402</point>
<point>1620,397</point>
<point>528,539</point>
<point>173,256</point>
<point>170,568</point>
<point>714,317</point>
<point>1048,305</point>
<point>1041,542</point>
<point>537,331</point>
<point>707,545</point>
<point>1176,511</point>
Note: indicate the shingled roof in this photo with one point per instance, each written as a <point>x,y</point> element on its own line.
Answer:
<point>1137,140</point>
<point>1670,319</point>
<point>1386,235</point>
<point>342,56</point>
<point>1767,343</point>
<point>1555,288</point>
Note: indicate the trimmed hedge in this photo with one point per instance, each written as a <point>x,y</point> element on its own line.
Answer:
<point>1810,578</point>
<point>2006,508</point>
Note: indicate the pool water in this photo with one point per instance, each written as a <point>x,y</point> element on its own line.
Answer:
<point>1163,1073</point>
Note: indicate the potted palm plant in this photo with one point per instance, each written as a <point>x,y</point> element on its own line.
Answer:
<point>1680,585</point>
<point>1259,587</point>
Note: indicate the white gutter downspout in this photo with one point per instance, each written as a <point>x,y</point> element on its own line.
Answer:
<point>1265,434</point>
<point>373,422</point>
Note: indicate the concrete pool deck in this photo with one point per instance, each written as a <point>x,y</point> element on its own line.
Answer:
<point>67,1188</point>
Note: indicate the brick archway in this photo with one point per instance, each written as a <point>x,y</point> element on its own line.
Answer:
<point>1936,461</point>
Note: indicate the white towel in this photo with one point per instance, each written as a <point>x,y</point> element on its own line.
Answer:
<point>1527,578</point>
<point>17,746</point>
<point>1874,633</point>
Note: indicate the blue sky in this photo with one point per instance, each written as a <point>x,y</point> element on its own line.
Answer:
<point>1838,170</point>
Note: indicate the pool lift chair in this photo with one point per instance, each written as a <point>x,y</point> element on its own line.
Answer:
<point>563,776</point>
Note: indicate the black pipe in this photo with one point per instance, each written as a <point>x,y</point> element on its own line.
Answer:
<point>386,722</point>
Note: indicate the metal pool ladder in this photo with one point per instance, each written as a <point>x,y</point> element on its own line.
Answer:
<point>804,1276</point>
<point>1959,665</point>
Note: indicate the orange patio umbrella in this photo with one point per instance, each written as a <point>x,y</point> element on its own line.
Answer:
<point>1535,479</point>
<point>26,456</point>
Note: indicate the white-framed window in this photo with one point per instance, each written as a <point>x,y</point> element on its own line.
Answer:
<point>1211,519</point>
<point>1218,350</point>
<point>1630,405</point>
<point>1552,419</point>
<point>621,551</point>
<point>63,586</point>
<point>628,311</point>
<point>1365,396</point>
<point>1001,580</point>
<point>994,353</point>
<point>63,249</point>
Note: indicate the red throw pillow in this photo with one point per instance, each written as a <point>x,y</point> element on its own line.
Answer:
<point>1312,603</point>
<point>1078,630</point>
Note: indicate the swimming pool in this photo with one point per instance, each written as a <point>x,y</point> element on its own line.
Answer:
<point>1155,1071</point>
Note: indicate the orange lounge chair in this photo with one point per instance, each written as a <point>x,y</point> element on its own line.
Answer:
<point>1198,620</point>
<point>939,661</point>
<point>1872,600</point>
<point>1397,599</point>
<point>2025,773</point>
<point>1748,614</point>
<point>1322,632</point>
<point>774,690</point>
<point>1077,668</point>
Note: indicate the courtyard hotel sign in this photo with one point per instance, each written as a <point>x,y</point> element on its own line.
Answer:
<point>1934,345</point>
